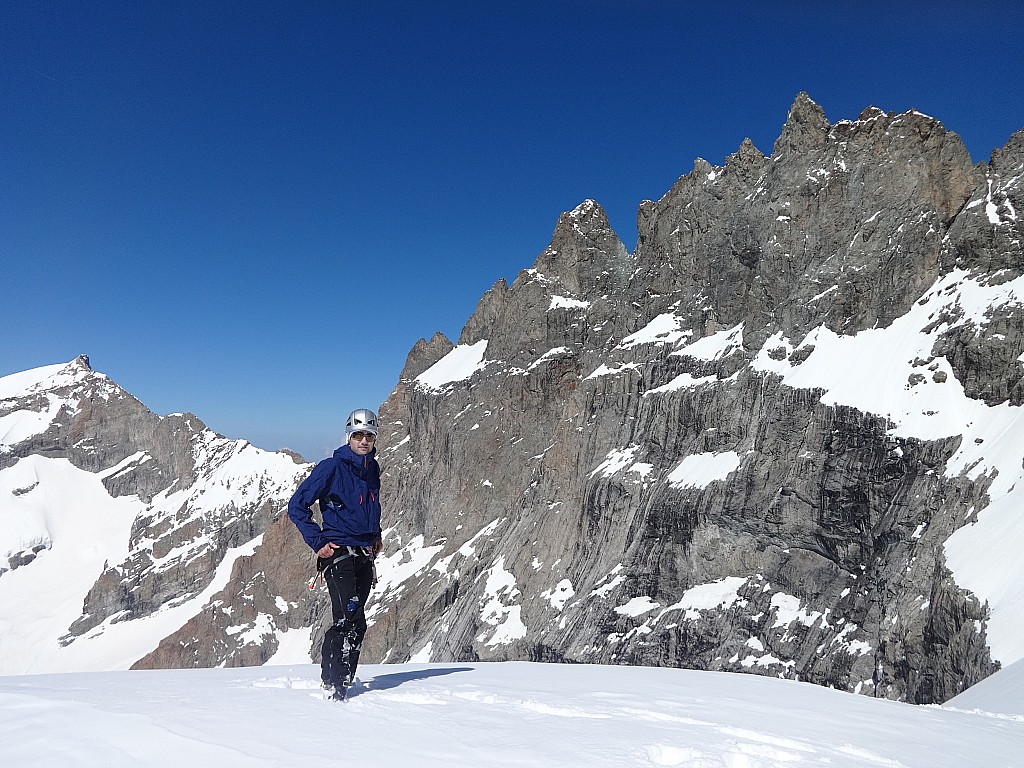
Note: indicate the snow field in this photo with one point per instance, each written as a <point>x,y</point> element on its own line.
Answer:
<point>499,714</point>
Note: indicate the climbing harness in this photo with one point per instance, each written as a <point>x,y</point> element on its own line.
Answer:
<point>324,564</point>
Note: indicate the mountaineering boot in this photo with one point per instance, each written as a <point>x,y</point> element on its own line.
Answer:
<point>334,692</point>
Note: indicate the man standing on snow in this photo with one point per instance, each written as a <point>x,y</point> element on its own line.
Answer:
<point>346,486</point>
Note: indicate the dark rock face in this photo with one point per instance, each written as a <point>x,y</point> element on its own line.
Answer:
<point>618,475</point>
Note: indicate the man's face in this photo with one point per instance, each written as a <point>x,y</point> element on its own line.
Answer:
<point>362,442</point>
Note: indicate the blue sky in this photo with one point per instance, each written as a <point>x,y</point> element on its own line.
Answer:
<point>253,210</point>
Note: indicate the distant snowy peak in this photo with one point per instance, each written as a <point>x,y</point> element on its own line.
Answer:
<point>47,377</point>
<point>67,409</point>
<point>115,514</point>
<point>42,400</point>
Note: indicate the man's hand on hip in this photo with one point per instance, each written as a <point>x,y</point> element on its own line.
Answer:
<point>327,549</point>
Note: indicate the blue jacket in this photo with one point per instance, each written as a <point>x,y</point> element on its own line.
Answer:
<point>347,486</point>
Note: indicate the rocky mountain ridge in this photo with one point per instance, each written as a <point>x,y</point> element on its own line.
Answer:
<point>650,457</point>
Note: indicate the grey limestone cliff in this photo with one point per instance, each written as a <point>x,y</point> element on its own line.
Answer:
<point>620,474</point>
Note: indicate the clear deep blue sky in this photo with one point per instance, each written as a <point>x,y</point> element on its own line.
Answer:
<point>252,210</point>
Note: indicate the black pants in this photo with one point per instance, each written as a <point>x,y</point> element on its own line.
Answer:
<point>348,581</point>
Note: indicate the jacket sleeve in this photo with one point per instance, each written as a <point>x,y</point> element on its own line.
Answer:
<point>299,510</point>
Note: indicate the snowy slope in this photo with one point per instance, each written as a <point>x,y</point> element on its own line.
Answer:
<point>1001,693</point>
<point>511,714</point>
<point>84,528</point>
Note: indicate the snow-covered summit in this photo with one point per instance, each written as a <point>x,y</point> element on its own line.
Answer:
<point>110,515</point>
<point>47,377</point>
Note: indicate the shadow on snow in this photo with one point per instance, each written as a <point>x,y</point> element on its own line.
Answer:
<point>395,679</point>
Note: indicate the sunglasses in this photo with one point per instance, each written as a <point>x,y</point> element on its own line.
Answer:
<point>360,436</point>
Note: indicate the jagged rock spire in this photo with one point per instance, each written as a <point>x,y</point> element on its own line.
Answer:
<point>806,126</point>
